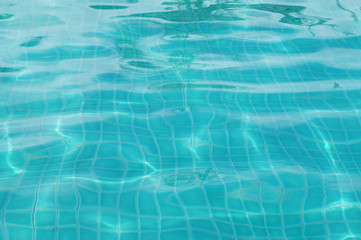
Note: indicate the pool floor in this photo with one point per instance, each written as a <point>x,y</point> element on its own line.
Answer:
<point>180,119</point>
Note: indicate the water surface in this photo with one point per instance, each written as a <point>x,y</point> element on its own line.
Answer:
<point>187,119</point>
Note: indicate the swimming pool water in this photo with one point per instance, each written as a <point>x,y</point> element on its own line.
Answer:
<point>180,119</point>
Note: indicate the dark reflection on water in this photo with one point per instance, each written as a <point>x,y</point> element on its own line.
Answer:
<point>5,16</point>
<point>32,42</point>
<point>108,7</point>
<point>292,14</point>
<point>196,12</point>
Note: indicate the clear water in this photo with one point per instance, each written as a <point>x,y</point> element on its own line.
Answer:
<point>187,119</point>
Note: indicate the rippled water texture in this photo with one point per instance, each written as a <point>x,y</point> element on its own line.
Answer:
<point>180,119</point>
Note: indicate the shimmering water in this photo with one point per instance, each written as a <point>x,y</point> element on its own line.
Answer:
<point>180,119</point>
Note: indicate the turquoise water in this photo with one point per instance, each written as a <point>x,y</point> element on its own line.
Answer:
<point>187,119</point>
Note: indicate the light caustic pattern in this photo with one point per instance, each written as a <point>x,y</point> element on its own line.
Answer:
<point>180,119</point>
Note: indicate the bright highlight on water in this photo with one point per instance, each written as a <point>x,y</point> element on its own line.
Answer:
<point>180,119</point>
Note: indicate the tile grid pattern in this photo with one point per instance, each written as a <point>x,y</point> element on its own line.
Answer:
<point>141,153</point>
